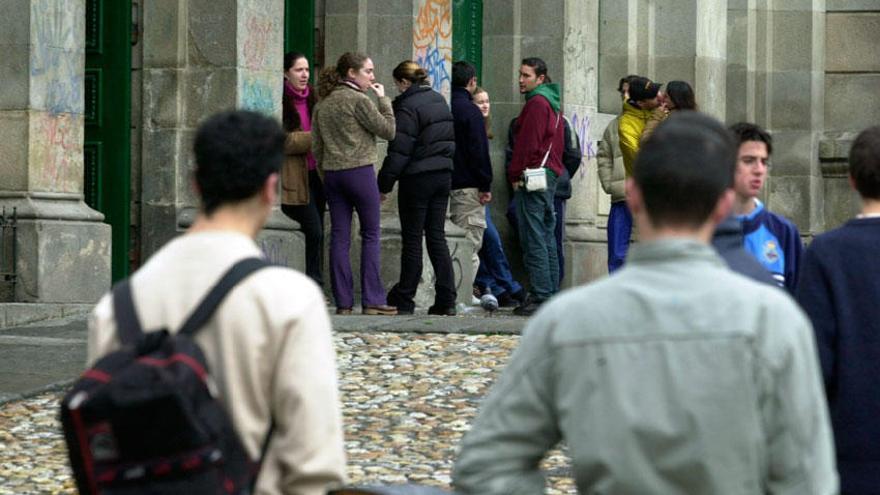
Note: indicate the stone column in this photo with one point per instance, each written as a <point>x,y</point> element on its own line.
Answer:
<point>63,248</point>
<point>201,57</point>
<point>585,244</point>
<point>795,92</point>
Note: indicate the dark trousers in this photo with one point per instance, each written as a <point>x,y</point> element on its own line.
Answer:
<point>559,207</point>
<point>537,223</point>
<point>619,230</point>
<point>349,191</point>
<point>311,220</point>
<point>422,201</point>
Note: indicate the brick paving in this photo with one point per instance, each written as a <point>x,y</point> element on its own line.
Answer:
<point>407,400</point>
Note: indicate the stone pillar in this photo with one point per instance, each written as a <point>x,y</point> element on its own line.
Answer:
<point>201,57</point>
<point>63,248</point>
<point>794,91</point>
<point>585,244</point>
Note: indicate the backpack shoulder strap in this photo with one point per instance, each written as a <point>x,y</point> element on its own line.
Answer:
<point>209,304</point>
<point>128,326</point>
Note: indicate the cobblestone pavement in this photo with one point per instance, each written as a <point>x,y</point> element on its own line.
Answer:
<point>407,401</point>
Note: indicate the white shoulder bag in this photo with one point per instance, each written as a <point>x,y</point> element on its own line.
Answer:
<point>536,178</point>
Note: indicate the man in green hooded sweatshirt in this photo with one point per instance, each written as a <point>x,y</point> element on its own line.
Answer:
<point>539,142</point>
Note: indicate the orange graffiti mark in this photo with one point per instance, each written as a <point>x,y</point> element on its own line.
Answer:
<point>256,42</point>
<point>433,23</point>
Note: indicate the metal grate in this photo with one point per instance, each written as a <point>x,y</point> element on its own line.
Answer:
<point>8,254</point>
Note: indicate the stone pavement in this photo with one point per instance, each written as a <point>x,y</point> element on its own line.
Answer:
<point>410,387</point>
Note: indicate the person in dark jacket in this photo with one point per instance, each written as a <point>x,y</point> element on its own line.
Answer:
<point>472,177</point>
<point>838,289</point>
<point>420,160</point>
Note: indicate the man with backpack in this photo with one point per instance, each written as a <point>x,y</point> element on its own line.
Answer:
<point>268,346</point>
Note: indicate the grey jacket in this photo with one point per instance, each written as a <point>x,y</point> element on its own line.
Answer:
<point>674,375</point>
<point>609,163</point>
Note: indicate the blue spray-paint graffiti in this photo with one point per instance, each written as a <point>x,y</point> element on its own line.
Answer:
<point>434,63</point>
<point>274,251</point>
<point>581,125</point>
<point>56,69</point>
<point>257,95</point>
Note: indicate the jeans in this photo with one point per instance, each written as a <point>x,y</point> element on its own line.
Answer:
<point>347,191</point>
<point>619,231</point>
<point>537,223</point>
<point>311,221</point>
<point>422,200</point>
<point>494,273</point>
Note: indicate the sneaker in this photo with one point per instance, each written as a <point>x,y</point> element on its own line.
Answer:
<point>343,311</point>
<point>528,308</point>
<point>441,311</point>
<point>382,309</point>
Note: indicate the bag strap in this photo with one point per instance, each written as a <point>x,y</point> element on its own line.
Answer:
<point>555,127</point>
<point>128,326</point>
<point>209,304</point>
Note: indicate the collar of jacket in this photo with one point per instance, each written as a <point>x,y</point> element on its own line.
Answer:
<point>550,91</point>
<point>462,93</point>
<point>415,88</point>
<point>729,233</point>
<point>630,109</point>
<point>347,83</point>
<point>671,249</point>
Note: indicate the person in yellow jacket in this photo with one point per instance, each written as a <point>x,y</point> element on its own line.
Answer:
<point>643,97</point>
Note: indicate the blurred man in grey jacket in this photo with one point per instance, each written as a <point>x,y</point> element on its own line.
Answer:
<point>676,375</point>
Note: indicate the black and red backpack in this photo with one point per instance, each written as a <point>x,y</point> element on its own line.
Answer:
<point>146,418</point>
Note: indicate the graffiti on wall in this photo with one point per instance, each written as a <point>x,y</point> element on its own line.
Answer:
<point>432,41</point>
<point>580,124</point>
<point>257,37</point>
<point>257,95</point>
<point>56,57</point>
<point>56,152</point>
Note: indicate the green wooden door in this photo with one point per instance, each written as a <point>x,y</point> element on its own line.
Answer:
<point>467,33</point>
<point>107,147</point>
<point>299,29</point>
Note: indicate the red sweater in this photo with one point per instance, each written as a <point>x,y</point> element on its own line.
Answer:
<point>534,133</point>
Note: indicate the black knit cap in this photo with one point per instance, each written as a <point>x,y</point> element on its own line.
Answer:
<point>642,88</point>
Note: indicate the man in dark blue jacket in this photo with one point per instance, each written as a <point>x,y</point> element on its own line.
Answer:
<point>472,175</point>
<point>838,288</point>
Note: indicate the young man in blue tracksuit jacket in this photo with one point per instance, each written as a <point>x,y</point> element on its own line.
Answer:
<point>838,287</point>
<point>771,238</point>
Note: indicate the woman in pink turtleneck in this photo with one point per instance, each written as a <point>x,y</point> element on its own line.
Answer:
<point>302,194</point>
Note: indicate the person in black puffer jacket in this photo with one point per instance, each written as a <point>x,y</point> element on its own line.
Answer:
<point>420,159</point>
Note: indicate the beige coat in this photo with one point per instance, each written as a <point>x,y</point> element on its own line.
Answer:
<point>269,348</point>
<point>295,171</point>
<point>609,163</point>
<point>344,128</point>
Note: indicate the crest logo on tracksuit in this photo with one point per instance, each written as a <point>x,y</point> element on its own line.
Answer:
<point>771,251</point>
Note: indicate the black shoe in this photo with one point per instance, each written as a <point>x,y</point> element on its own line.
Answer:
<point>527,308</point>
<point>404,312</point>
<point>441,310</point>
<point>508,300</point>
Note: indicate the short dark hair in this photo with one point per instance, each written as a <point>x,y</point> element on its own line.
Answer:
<point>290,58</point>
<point>235,151</point>
<point>683,169</point>
<point>462,73</point>
<point>746,131</point>
<point>538,65</point>
<point>864,163</point>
